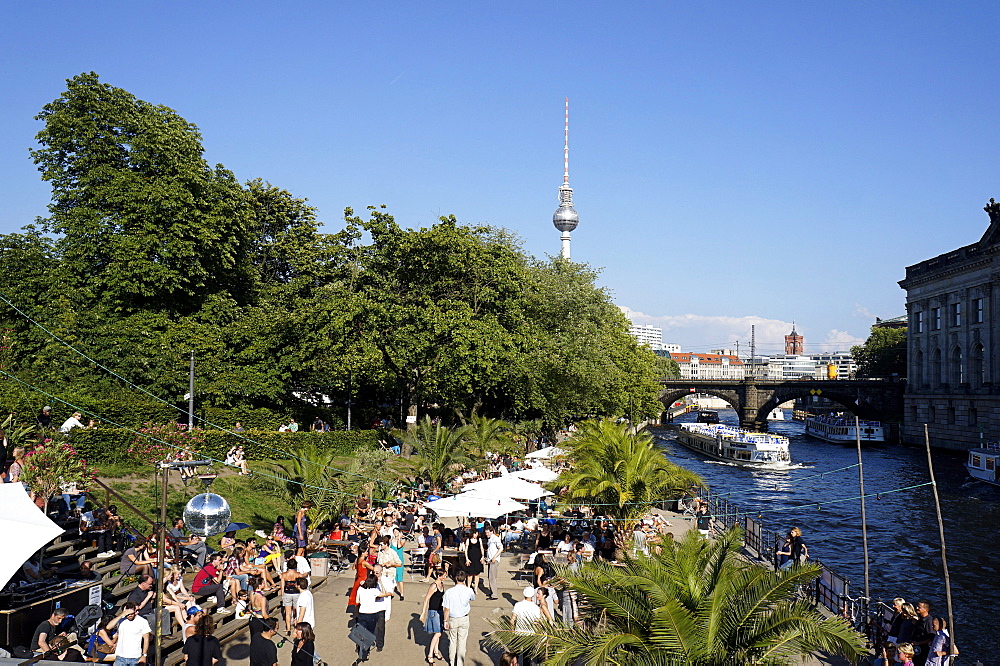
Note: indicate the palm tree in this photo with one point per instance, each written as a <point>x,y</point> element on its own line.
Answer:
<point>313,474</point>
<point>695,602</point>
<point>440,451</point>
<point>622,473</point>
<point>486,435</point>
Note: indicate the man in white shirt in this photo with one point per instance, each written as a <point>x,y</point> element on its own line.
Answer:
<point>72,422</point>
<point>456,605</point>
<point>133,636</point>
<point>494,547</point>
<point>526,615</point>
<point>306,612</point>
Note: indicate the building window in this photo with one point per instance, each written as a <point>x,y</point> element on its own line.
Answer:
<point>918,368</point>
<point>978,367</point>
<point>957,367</point>
<point>977,309</point>
<point>956,314</point>
<point>931,414</point>
<point>935,319</point>
<point>973,416</point>
<point>918,322</point>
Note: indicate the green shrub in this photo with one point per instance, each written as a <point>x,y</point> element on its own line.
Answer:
<point>104,445</point>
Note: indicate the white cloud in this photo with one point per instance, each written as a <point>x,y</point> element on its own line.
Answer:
<point>862,312</point>
<point>699,333</point>
<point>840,341</point>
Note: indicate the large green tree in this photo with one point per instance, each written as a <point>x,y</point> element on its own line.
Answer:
<point>883,354</point>
<point>695,602</point>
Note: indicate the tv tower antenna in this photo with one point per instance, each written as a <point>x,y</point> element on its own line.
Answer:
<point>565,218</point>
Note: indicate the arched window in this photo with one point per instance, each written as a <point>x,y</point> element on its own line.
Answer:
<point>935,377</point>
<point>918,368</point>
<point>977,369</point>
<point>957,367</point>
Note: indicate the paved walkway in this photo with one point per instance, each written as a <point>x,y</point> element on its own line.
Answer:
<point>405,639</point>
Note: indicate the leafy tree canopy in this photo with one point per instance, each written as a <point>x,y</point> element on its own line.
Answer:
<point>883,354</point>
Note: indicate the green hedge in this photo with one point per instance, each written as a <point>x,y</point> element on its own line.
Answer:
<point>109,445</point>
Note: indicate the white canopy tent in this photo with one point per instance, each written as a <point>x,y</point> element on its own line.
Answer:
<point>546,453</point>
<point>474,506</point>
<point>542,474</point>
<point>508,486</point>
<point>25,528</point>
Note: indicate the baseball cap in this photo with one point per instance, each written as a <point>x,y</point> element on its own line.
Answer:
<point>529,592</point>
<point>193,610</point>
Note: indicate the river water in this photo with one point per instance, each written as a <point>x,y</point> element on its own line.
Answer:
<point>904,549</point>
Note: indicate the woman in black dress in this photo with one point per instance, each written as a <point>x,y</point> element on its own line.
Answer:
<point>304,646</point>
<point>473,558</point>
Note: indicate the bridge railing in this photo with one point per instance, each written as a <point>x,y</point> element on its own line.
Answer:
<point>831,589</point>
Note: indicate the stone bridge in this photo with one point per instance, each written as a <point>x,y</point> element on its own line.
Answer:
<point>753,399</point>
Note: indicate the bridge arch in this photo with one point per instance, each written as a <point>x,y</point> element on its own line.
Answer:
<point>849,402</point>
<point>669,397</point>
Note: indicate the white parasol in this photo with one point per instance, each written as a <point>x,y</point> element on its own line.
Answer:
<point>547,452</point>
<point>27,529</point>
<point>542,474</point>
<point>474,506</point>
<point>508,486</point>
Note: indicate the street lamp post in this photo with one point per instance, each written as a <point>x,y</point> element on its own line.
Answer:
<point>161,546</point>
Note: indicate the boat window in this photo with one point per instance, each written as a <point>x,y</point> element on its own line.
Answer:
<point>991,463</point>
<point>975,460</point>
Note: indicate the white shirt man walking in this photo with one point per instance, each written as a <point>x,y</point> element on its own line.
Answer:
<point>526,615</point>
<point>456,605</point>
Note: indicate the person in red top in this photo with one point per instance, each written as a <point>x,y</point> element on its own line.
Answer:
<point>364,566</point>
<point>208,581</point>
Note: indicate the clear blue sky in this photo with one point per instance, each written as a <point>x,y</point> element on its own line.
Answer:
<point>732,162</point>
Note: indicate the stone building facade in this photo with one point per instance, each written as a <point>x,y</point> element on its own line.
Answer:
<point>953,366</point>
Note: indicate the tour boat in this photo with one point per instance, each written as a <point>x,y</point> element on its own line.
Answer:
<point>732,444</point>
<point>840,429</point>
<point>777,414</point>
<point>983,463</point>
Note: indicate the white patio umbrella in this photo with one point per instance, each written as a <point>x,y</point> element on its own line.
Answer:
<point>542,474</point>
<point>508,486</point>
<point>547,452</point>
<point>474,506</point>
<point>27,529</point>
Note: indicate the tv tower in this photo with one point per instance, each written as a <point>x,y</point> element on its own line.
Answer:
<point>565,218</point>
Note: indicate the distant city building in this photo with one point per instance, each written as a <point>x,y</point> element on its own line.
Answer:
<point>794,343</point>
<point>953,343</point>
<point>842,361</point>
<point>895,322</point>
<point>723,352</point>
<point>709,366</point>
<point>671,347</point>
<point>648,335</point>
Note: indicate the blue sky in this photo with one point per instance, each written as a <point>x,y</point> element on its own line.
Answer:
<point>732,162</point>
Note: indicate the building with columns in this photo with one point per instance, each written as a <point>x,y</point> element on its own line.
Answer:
<point>952,344</point>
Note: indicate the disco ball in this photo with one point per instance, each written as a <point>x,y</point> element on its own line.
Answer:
<point>207,514</point>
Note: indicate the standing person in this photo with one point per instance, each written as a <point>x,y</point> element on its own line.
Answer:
<point>397,543</point>
<point>203,649</point>
<point>904,654</point>
<point>45,418</point>
<point>897,619</point>
<point>133,637</point>
<point>300,530</point>
<point>290,594</point>
<point>473,548</point>
<point>263,651</point>
<point>923,632</point>
<point>456,605</point>
<point>303,645</point>
<point>799,550</point>
<point>306,604</point>
<point>938,650</point>
<point>526,615</point>
<point>491,561</point>
<point>364,567</point>
<point>369,610</point>
<point>432,614</point>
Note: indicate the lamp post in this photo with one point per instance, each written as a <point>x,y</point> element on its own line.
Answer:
<point>161,546</point>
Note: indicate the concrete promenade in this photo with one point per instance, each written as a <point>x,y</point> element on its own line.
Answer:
<point>405,639</point>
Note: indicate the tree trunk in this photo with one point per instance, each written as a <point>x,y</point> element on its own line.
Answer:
<point>410,402</point>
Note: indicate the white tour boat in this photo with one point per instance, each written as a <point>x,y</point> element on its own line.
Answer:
<point>732,444</point>
<point>777,414</point>
<point>840,429</point>
<point>983,463</point>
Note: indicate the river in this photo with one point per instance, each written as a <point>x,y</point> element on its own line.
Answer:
<point>904,548</point>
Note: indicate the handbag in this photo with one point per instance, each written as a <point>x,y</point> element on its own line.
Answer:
<point>363,638</point>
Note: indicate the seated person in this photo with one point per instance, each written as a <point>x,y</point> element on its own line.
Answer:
<point>48,630</point>
<point>94,525</point>
<point>136,560</point>
<point>32,569</point>
<point>87,572</point>
<point>188,544</point>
